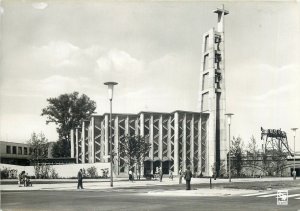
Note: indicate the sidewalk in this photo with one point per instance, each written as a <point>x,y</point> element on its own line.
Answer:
<point>94,184</point>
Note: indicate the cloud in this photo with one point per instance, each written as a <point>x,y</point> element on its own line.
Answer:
<point>275,92</point>
<point>39,5</point>
<point>56,53</point>
<point>118,61</point>
<point>48,87</point>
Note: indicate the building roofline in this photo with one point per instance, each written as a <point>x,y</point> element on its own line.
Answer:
<point>146,112</point>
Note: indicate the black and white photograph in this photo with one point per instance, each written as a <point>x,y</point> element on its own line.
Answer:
<point>149,105</point>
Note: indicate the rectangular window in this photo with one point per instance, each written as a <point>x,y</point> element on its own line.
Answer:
<point>206,43</point>
<point>14,150</point>
<point>205,81</point>
<point>19,150</point>
<point>8,150</point>
<point>205,62</point>
<point>25,151</point>
<point>205,102</point>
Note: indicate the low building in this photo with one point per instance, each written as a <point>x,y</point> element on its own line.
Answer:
<point>14,153</point>
<point>19,154</point>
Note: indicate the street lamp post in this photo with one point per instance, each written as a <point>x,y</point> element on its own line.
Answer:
<point>294,172</point>
<point>110,86</point>
<point>229,122</point>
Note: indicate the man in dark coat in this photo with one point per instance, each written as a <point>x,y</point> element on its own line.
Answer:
<point>188,176</point>
<point>79,176</point>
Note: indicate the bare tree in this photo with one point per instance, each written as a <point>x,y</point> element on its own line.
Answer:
<point>253,154</point>
<point>134,149</point>
<point>237,151</point>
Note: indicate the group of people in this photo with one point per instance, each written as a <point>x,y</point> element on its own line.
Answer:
<point>23,179</point>
<point>159,173</point>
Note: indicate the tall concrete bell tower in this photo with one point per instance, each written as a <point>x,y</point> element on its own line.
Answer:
<point>212,98</point>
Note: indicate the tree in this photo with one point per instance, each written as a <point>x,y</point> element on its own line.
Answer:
<point>252,154</point>
<point>38,147</point>
<point>135,149</point>
<point>67,111</point>
<point>237,154</point>
<point>279,158</point>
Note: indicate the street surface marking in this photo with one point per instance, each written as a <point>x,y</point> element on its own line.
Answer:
<point>268,195</point>
<point>293,195</point>
<point>256,194</point>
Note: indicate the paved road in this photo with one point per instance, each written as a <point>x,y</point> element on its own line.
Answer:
<point>139,199</point>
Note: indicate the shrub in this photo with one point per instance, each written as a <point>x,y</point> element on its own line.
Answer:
<point>54,174</point>
<point>92,172</point>
<point>43,171</point>
<point>7,173</point>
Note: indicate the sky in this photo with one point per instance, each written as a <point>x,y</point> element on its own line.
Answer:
<point>153,50</point>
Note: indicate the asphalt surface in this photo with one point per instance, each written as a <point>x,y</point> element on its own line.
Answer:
<point>139,199</point>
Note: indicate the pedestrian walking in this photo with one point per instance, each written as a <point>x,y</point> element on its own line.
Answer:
<point>160,174</point>
<point>180,176</point>
<point>188,176</point>
<point>171,174</point>
<point>79,176</point>
<point>294,174</point>
<point>138,177</point>
<point>130,176</point>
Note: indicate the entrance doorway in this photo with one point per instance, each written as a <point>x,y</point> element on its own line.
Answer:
<point>166,166</point>
<point>156,165</point>
<point>147,167</point>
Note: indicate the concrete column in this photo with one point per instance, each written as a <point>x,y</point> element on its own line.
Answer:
<point>136,127</point>
<point>77,142</point>
<point>127,126</point>
<point>142,133</point>
<point>192,143</point>
<point>72,143</point>
<point>142,125</point>
<point>151,141</point>
<point>184,143</point>
<point>151,137</point>
<point>160,138</point>
<point>92,138</point>
<point>83,142</point>
<point>106,139</point>
<point>169,138</point>
<point>199,145</point>
<point>211,144</point>
<point>102,140</point>
<point>176,153</point>
<point>116,147</point>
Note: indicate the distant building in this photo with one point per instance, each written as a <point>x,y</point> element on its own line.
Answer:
<point>19,154</point>
<point>14,153</point>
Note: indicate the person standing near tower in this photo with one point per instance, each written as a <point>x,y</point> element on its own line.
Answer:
<point>188,176</point>
<point>79,176</point>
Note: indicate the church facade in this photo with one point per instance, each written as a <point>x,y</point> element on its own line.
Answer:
<point>178,139</point>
